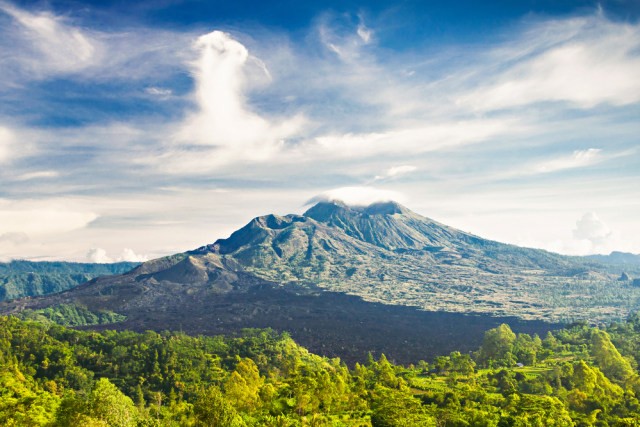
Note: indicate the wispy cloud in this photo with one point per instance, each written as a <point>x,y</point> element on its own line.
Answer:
<point>14,238</point>
<point>16,144</point>
<point>415,140</point>
<point>48,174</point>
<point>578,159</point>
<point>6,142</point>
<point>583,61</point>
<point>396,171</point>
<point>41,217</point>
<point>365,33</point>
<point>163,93</point>
<point>44,45</point>
<point>48,44</point>
<point>272,117</point>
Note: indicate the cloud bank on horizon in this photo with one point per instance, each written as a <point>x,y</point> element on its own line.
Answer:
<point>142,137</point>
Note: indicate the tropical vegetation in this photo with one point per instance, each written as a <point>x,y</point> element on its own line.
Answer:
<point>52,375</point>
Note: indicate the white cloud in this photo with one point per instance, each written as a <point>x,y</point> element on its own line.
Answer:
<point>11,244</point>
<point>396,171</point>
<point>50,44</point>
<point>160,92</point>
<point>339,35</point>
<point>584,61</point>
<point>593,229</point>
<point>400,170</point>
<point>364,33</point>
<point>39,44</point>
<point>444,112</point>
<point>414,140</point>
<point>130,256</point>
<point>41,217</point>
<point>14,238</point>
<point>47,174</point>
<point>98,256</point>
<point>6,142</point>
<point>224,123</point>
<point>358,196</point>
<point>16,144</point>
<point>579,159</point>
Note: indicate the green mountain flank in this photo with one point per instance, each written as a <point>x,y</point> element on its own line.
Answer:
<point>20,279</point>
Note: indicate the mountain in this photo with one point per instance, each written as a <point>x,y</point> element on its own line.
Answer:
<point>618,258</point>
<point>30,278</point>
<point>378,277</point>
<point>386,253</point>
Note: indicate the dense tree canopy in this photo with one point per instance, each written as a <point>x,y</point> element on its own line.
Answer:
<point>55,376</point>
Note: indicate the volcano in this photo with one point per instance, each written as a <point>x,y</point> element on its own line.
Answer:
<point>349,279</point>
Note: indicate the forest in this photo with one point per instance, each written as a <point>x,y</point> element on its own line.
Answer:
<point>31,278</point>
<point>51,375</point>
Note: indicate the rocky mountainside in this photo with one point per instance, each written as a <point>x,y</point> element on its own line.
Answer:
<point>386,253</point>
<point>331,274</point>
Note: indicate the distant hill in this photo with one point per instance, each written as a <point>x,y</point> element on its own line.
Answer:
<point>345,280</point>
<point>618,258</point>
<point>30,278</point>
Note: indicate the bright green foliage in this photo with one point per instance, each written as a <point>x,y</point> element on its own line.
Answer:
<point>497,347</point>
<point>609,358</point>
<point>71,315</point>
<point>399,408</point>
<point>242,388</point>
<point>531,410</point>
<point>104,405</point>
<point>22,401</point>
<point>526,349</point>
<point>211,409</point>
<point>108,404</point>
<point>58,377</point>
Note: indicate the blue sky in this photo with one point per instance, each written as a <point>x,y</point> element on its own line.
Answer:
<point>134,130</point>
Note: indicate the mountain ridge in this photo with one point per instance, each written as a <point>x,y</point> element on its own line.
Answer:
<point>617,258</point>
<point>23,278</point>
<point>322,273</point>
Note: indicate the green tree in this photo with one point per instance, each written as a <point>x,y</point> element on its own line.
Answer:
<point>211,409</point>
<point>109,404</point>
<point>608,358</point>
<point>397,408</point>
<point>242,388</point>
<point>462,363</point>
<point>497,347</point>
<point>22,402</point>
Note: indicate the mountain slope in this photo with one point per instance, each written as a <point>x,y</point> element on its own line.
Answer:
<point>386,253</point>
<point>30,278</point>
<point>330,275</point>
<point>618,258</point>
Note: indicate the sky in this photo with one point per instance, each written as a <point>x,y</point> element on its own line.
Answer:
<point>134,130</point>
